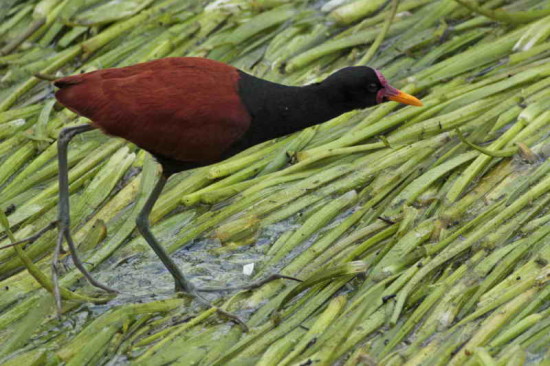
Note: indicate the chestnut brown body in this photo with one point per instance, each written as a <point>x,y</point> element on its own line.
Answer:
<point>186,109</point>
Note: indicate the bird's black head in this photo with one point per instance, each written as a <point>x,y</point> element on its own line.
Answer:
<point>361,86</point>
<point>277,110</point>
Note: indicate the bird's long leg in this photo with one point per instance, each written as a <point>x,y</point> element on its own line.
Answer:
<point>55,274</point>
<point>142,222</point>
<point>64,218</point>
<point>182,284</point>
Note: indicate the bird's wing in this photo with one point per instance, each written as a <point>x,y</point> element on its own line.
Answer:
<point>187,109</point>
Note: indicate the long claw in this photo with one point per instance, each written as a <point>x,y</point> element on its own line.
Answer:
<point>222,312</point>
<point>251,286</point>
<point>78,263</point>
<point>50,226</point>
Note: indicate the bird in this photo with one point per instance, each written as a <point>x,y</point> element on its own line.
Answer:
<point>191,112</point>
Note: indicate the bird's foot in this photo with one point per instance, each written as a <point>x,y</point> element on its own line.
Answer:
<point>34,237</point>
<point>64,232</point>
<point>251,286</point>
<point>186,287</point>
<point>232,317</point>
<point>191,291</point>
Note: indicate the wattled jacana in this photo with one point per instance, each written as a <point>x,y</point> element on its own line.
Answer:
<point>191,112</point>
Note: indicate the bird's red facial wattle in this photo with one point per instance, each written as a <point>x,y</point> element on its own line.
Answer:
<point>390,93</point>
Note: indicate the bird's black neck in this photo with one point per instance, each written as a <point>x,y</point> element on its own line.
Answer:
<point>278,110</point>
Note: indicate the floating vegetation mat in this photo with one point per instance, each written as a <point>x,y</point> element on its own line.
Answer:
<point>422,234</point>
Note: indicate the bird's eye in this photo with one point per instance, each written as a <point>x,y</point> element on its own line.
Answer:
<point>373,88</point>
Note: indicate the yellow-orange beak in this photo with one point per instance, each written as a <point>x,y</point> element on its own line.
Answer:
<point>390,93</point>
<point>402,97</point>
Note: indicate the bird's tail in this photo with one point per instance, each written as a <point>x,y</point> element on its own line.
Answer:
<point>60,82</point>
<point>45,77</point>
<point>68,81</point>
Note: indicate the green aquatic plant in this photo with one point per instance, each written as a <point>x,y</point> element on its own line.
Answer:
<point>421,234</point>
